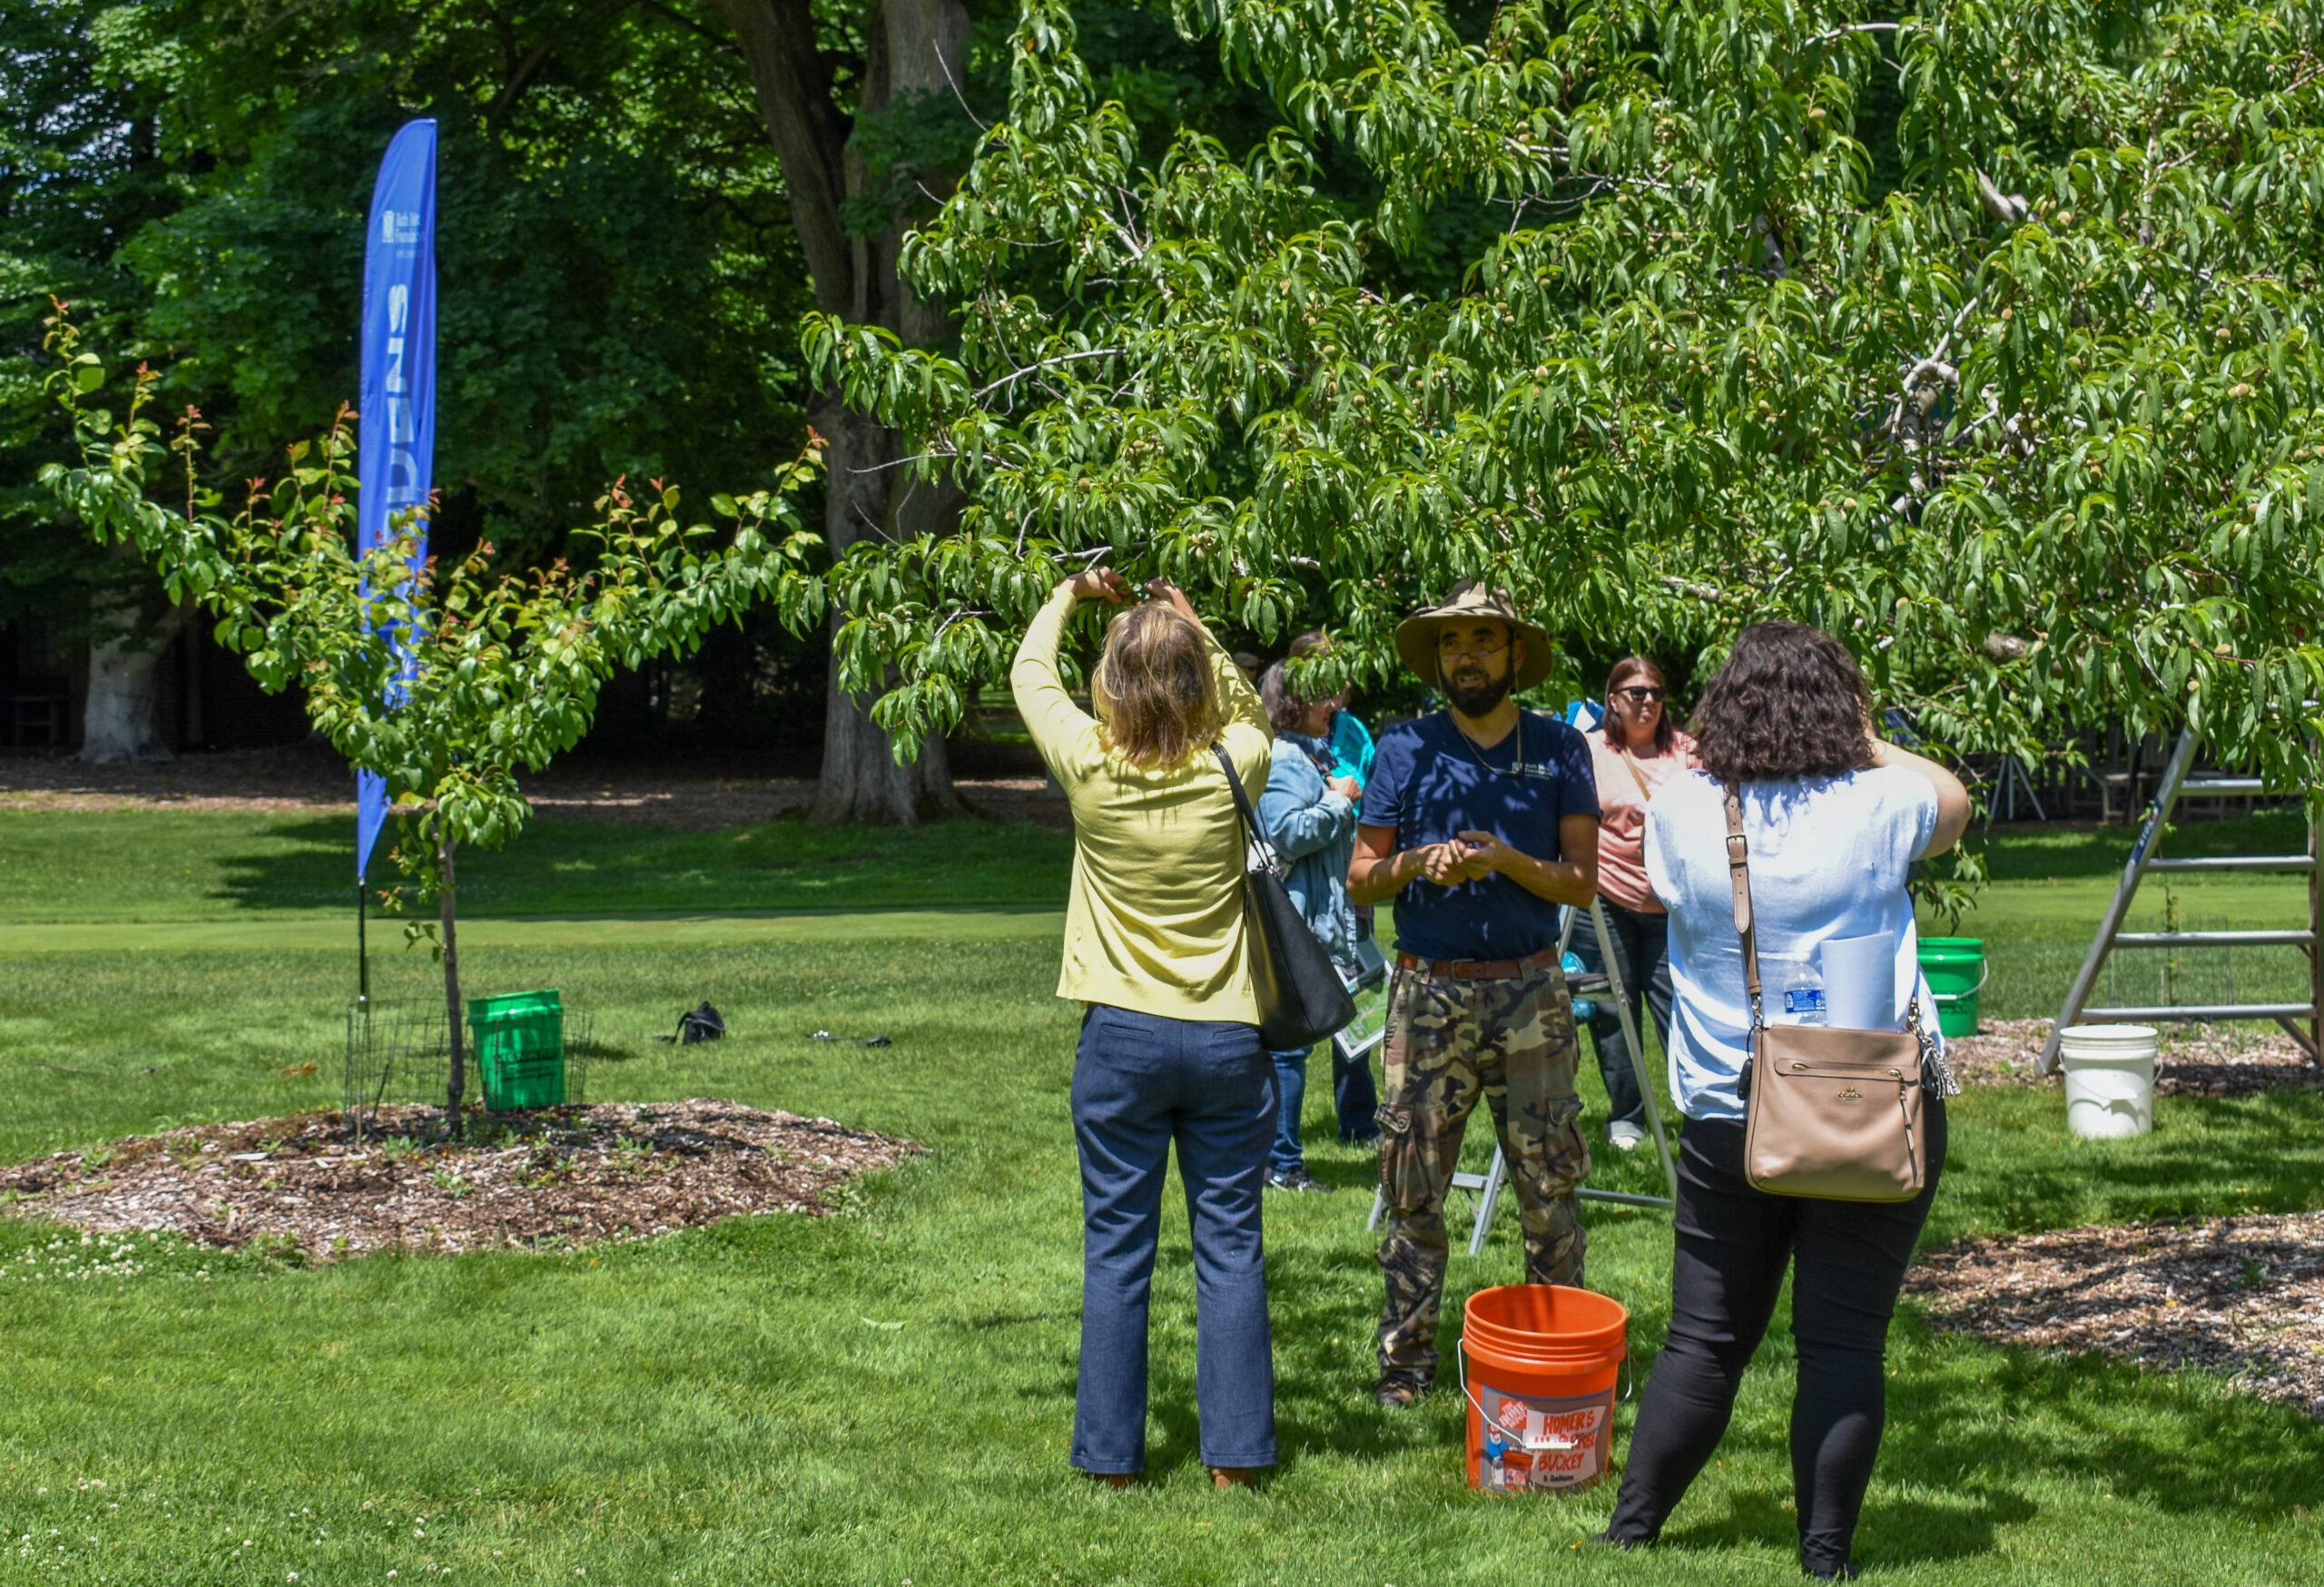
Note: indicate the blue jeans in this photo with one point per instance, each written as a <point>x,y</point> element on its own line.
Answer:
<point>1354,1097</point>
<point>1643,947</point>
<point>1291,1095</point>
<point>1142,1081</point>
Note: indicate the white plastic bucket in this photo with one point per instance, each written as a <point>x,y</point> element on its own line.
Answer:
<point>2110,1080</point>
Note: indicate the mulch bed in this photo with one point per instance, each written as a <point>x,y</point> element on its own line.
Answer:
<point>554,1178</point>
<point>2241,1295</point>
<point>2197,1061</point>
<point>312,777</point>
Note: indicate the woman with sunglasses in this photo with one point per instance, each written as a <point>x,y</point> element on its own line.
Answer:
<point>1636,750</point>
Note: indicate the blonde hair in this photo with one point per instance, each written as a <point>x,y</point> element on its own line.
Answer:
<point>1154,688</point>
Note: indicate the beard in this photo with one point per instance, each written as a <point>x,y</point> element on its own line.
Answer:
<point>1478,699</point>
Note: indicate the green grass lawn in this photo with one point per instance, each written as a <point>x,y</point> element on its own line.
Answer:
<point>886,1395</point>
<point>204,864</point>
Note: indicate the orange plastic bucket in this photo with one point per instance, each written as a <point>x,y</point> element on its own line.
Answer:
<point>1540,1364</point>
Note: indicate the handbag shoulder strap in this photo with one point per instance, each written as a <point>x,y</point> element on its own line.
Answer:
<point>1638,773</point>
<point>1739,869</point>
<point>1259,853</point>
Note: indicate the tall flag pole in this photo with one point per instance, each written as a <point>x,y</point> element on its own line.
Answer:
<point>396,426</point>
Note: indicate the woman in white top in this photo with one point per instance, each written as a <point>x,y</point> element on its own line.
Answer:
<point>1634,752</point>
<point>1835,818</point>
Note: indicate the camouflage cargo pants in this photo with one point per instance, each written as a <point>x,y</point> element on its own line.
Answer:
<point>1450,1041</point>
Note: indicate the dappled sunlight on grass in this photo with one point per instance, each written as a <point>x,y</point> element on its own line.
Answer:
<point>888,1393</point>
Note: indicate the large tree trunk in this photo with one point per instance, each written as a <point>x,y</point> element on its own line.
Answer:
<point>860,779</point>
<point>912,47</point>
<point>120,714</point>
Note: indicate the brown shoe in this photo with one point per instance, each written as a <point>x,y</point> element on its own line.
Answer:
<point>1224,1477</point>
<point>1398,1391</point>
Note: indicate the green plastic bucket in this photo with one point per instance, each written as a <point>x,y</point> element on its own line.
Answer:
<point>519,1050</point>
<point>1957,972</point>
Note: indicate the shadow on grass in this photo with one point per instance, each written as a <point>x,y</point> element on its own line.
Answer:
<point>593,868</point>
<point>2208,1157</point>
<point>1902,1531</point>
<point>1963,1416</point>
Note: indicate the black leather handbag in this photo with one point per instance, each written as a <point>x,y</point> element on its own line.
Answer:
<point>1302,999</point>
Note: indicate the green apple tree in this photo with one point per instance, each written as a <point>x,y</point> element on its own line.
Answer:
<point>1985,336</point>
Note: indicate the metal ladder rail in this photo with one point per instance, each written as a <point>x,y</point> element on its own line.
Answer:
<point>1485,1189</point>
<point>2175,786</point>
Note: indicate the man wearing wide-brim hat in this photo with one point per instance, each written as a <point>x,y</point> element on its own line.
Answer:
<point>1479,821</point>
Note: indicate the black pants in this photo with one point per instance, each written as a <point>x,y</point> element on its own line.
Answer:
<point>1642,948</point>
<point>1733,1244</point>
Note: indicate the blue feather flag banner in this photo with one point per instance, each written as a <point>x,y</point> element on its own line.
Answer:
<point>396,431</point>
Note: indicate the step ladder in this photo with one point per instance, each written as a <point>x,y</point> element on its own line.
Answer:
<point>1484,1189</point>
<point>2174,786</point>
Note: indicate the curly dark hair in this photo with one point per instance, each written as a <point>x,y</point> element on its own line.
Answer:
<point>1789,703</point>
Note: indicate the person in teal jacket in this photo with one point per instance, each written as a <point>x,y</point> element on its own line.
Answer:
<point>1308,814</point>
<point>1350,740</point>
<point>1355,1097</point>
<point>1351,743</point>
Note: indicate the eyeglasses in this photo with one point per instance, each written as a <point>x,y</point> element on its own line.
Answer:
<point>1640,694</point>
<point>1454,649</point>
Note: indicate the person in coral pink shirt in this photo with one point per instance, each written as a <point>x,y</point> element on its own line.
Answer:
<point>1634,752</point>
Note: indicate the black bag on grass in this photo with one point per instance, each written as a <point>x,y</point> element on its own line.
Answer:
<point>703,1025</point>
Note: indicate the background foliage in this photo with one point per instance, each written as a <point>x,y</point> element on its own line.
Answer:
<point>2026,416</point>
<point>618,274</point>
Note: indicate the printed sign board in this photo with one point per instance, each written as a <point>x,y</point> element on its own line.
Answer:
<point>1369,984</point>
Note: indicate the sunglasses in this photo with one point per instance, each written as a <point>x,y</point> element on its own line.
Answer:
<point>1640,694</point>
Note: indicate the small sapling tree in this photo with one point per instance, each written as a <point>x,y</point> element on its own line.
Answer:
<point>491,671</point>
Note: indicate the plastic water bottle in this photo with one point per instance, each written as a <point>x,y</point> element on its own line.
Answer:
<point>1803,995</point>
<point>1583,1009</point>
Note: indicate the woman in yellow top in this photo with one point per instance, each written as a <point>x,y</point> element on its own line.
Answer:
<point>1156,950</point>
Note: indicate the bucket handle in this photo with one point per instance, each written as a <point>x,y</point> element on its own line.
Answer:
<point>1985,974</point>
<point>1461,1371</point>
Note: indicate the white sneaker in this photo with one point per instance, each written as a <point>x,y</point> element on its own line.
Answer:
<point>1624,1135</point>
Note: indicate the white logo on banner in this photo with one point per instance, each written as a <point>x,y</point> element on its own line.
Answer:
<point>400,228</point>
<point>403,428</point>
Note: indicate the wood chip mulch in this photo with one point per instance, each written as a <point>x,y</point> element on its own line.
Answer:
<point>2240,1295</point>
<point>2197,1061</point>
<point>549,1178</point>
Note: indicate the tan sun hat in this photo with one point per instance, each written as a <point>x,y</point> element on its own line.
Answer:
<point>1416,635</point>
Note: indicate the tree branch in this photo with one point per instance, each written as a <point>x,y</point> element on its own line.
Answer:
<point>1834,34</point>
<point>792,82</point>
<point>521,78</point>
<point>1101,352</point>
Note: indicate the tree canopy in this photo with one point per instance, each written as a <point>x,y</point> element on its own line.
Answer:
<point>2020,401</point>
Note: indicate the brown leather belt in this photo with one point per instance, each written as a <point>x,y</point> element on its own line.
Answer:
<point>1480,969</point>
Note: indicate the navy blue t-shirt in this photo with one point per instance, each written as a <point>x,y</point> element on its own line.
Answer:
<point>1430,784</point>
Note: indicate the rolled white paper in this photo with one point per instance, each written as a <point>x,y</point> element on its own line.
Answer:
<point>1860,982</point>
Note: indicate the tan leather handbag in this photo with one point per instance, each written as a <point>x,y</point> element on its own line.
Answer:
<point>1836,1115</point>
